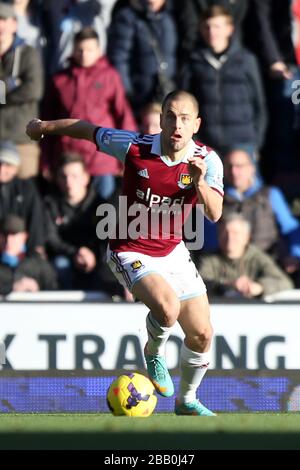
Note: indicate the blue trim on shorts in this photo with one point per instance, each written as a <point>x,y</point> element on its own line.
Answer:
<point>120,269</point>
<point>191,296</point>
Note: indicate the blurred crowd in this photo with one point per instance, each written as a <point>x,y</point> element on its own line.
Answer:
<point>111,62</point>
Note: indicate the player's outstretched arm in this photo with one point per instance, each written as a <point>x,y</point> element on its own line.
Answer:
<point>36,129</point>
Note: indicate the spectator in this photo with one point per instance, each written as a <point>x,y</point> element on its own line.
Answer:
<point>20,197</point>
<point>237,8</point>
<point>225,79</point>
<point>274,35</point>
<point>29,22</point>
<point>274,229</point>
<point>142,46</point>
<point>150,118</point>
<point>239,268</point>
<point>187,27</point>
<point>21,271</point>
<point>64,19</point>
<point>272,43</point>
<point>71,221</point>
<point>272,222</point>
<point>99,98</point>
<point>264,206</point>
<point>21,70</point>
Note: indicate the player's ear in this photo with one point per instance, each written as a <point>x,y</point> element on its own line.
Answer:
<point>197,125</point>
<point>160,120</point>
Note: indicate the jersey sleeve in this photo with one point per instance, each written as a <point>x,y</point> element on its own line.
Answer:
<point>114,142</point>
<point>214,173</point>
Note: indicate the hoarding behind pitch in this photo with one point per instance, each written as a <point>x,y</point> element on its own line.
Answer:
<point>41,336</point>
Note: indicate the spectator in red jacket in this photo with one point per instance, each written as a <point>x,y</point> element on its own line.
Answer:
<point>90,88</point>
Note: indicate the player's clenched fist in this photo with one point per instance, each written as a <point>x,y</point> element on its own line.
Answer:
<point>197,169</point>
<point>34,129</point>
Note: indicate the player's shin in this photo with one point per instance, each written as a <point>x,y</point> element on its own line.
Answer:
<point>193,368</point>
<point>157,336</point>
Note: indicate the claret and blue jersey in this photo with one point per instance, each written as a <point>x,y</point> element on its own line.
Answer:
<point>152,179</point>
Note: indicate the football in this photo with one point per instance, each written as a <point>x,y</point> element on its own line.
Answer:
<point>131,395</point>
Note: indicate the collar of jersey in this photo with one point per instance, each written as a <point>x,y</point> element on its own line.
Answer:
<point>156,149</point>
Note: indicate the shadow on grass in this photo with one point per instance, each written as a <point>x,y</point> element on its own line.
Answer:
<point>145,441</point>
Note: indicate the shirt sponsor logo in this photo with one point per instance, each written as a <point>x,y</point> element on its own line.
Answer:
<point>152,198</point>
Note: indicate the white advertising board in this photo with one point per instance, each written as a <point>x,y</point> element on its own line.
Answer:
<point>39,336</point>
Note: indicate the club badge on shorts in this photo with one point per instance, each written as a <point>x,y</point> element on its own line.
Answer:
<point>136,266</point>
<point>185,181</point>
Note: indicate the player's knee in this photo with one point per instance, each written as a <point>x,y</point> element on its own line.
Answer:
<point>203,339</point>
<point>169,311</point>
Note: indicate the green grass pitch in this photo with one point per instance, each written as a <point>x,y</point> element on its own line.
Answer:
<point>159,432</point>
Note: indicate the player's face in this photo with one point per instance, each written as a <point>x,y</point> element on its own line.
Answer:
<point>239,170</point>
<point>86,52</point>
<point>179,122</point>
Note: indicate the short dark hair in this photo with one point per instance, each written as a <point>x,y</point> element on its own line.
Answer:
<point>214,11</point>
<point>180,94</point>
<point>86,33</point>
<point>233,217</point>
<point>70,157</point>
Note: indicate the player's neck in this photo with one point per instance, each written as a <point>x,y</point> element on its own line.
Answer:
<point>171,154</point>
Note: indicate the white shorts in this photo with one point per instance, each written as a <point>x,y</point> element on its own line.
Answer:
<point>176,268</point>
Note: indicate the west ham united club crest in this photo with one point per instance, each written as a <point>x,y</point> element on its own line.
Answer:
<point>185,181</point>
<point>136,265</point>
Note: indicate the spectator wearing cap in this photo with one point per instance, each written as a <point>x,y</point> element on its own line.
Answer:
<point>273,227</point>
<point>21,71</point>
<point>20,197</point>
<point>21,271</point>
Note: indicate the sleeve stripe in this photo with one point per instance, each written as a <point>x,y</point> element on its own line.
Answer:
<point>218,191</point>
<point>95,137</point>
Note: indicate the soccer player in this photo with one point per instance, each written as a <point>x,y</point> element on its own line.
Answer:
<point>168,168</point>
